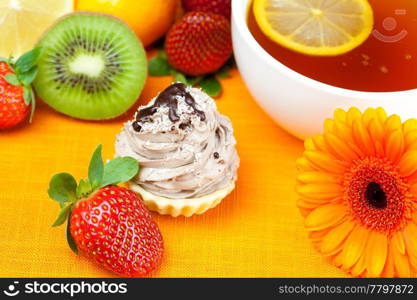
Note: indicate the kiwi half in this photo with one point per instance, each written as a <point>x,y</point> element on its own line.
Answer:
<point>92,66</point>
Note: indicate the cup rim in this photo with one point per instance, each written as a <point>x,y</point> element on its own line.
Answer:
<point>242,6</point>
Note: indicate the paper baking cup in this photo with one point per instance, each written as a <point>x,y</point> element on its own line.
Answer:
<point>181,207</point>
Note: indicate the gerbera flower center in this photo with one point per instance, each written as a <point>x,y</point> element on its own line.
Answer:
<point>378,197</point>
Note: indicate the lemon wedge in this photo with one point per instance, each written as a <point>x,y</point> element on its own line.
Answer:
<point>22,22</point>
<point>315,27</point>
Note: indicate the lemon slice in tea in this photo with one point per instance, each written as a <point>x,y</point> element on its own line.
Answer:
<point>315,27</point>
<point>23,21</point>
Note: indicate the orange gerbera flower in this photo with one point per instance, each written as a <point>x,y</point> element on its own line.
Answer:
<point>358,192</point>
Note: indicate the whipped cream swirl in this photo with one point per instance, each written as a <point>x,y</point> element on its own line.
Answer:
<point>185,147</point>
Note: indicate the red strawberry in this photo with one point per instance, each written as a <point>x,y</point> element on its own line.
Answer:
<point>13,109</point>
<point>108,223</point>
<point>221,7</point>
<point>16,94</point>
<point>199,43</point>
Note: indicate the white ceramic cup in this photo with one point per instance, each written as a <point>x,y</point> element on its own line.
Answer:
<point>297,103</point>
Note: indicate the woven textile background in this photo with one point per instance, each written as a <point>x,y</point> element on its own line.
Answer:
<point>255,232</point>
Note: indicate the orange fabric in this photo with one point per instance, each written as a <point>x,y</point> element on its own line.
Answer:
<point>255,232</point>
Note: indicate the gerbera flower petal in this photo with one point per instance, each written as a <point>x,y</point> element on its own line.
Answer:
<point>337,260</point>
<point>318,141</point>
<point>398,242</point>
<point>339,115</point>
<point>412,180</point>
<point>325,216</point>
<point>409,125</point>
<point>303,164</point>
<point>312,191</point>
<point>309,145</point>
<point>354,246</point>
<point>311,203</point>
<point>328,125</point>
<point>413,189</point>
<point>320,188</point>
<point>360,266</point>
<point>376,130</point>
<point>381,114</point>
<point>368,115</point>
<point>333,241</point>
<point>410,239</point>
<point>394,146</point>
<point>401,263</point>
<point>363,138</point>
<point>393,123</point>
<point>339,147</point>
<point>317,235</point>
<point>379,150</point>
<point>410,140</point>
<point>317,177</point>
<point>408,163</point>
<point>324,162</point>
<point>343,131</point>
<point>353,114</point>
<point>355,148</point>
<point>389,270</point>
<point>375,260</point>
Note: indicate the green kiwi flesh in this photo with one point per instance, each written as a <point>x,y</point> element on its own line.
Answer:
<point>92,67</point>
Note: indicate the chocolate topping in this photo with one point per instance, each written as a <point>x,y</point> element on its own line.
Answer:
<point>136,126</point>
<point>168,98</point>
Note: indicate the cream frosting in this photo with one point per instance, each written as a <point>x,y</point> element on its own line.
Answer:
<point>190,157</point>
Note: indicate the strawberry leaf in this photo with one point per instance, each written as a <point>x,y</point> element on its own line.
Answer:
<point>27,95</point>
<point>84,188</point>
<point>12,79</point>
<point>27,78</point>
<point>63,215</point>
<point>159,66</point>
<point>27,61</point>
<point>211,86</point>
<point>95,170</point>
<point>120,169</point>
<point>33,102</point>
<point>70,239</point>
<point>62,187</point>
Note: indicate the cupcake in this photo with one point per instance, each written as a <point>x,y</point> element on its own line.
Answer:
<point>186,150</point>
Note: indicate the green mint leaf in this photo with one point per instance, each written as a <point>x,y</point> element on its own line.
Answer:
<point>224,72</point>
<point>63,215</point>
<point>28,77</point>
<point>95,170</point>
<point>27,61</point>
<point>179,77</point>
<point>84,188</point>
<point>159,66</point>
<point>194,80</point>
<point>12,79</point>
<point>211,86</point>
<point>70,239</point>
<point>162,54</point>
<point>62,187</point>
<point>120,169</point>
